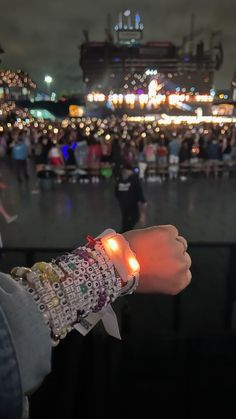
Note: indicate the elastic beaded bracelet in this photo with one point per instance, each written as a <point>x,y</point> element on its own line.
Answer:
<point>123,259</point>
<point>85,281</point>
<point>51,300</point>
<point>57,276</point>
<point>20,274</point>
<point>83,260</point>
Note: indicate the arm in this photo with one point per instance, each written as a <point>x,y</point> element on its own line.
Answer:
<point>28,331</point>
<point>164,268</point>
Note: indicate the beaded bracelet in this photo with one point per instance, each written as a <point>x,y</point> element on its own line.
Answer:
<point>70,287</point>
<point>74,285</point>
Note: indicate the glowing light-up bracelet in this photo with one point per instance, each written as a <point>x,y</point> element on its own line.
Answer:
<point>123,258</point>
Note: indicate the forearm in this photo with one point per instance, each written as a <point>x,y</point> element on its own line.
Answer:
<point>30,336</point>
<point>45,302</point>
<point>71,288</point>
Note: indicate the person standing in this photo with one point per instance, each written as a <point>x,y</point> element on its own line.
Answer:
<point>55,155</point>
<point>129,193</point>
<point>174,149</point>
<point>19,155</point>
<point>93,159</point>
<point>162,157</point>
<point>213,153</point>
<point>226,155</point>
<point>150,152</point>
<point>184,157</point>
<point>41,150</point>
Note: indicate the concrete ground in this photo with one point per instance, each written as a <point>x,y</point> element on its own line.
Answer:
<point>202,209</point>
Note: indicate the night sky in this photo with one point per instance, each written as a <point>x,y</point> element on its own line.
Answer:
<point>42,36</point>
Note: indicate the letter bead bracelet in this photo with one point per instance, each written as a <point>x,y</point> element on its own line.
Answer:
<point>75,286</point>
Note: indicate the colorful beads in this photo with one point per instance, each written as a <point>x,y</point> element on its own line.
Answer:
<point>72,286</point>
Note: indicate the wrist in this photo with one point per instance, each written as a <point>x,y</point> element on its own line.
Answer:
<point>137,247</point>
<point>122,257</point>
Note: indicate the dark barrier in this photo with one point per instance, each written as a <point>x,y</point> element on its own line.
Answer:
<point>177,357</point>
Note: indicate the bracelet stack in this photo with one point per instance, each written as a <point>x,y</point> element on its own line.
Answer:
<point>71,286</point>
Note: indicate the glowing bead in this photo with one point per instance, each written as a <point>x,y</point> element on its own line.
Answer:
<point>113,244</point>
<point>133,263</point>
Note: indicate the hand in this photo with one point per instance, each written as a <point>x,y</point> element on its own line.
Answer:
<point>164,262</point>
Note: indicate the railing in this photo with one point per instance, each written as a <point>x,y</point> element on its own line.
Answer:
<point>189,168</point>
<point>214,279</point>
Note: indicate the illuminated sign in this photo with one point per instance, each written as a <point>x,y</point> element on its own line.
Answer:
<point>129,35</point>
<point>150,72</point>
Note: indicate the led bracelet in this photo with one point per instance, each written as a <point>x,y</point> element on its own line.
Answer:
<point>123,258</point>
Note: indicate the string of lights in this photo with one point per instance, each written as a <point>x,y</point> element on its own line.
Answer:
<point>19,78</point>
<point>153,99</point>
<point>98,127</point>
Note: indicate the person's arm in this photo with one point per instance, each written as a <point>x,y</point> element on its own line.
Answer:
<point>83,283</point>
<point>30,336</point>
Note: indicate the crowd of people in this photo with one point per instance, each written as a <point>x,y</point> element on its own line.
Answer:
<point>88,149</point>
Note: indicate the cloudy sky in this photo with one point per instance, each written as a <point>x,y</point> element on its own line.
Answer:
<point>42,36</point>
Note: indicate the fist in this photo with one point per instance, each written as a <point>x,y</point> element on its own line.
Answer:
<point>163,258</point>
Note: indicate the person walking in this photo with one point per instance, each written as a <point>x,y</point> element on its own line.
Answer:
<point>174,149</point>
<point>7,217</point>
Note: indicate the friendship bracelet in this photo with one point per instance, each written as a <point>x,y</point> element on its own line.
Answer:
<point>72,287</point>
